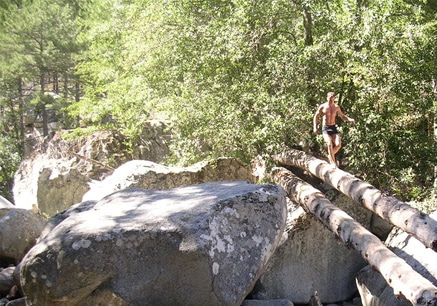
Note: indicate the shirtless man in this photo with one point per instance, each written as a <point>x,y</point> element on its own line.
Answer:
<point>329,111</point>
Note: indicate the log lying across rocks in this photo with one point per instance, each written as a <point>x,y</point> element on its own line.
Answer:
<point>399,275</point>
<point>398,213</point>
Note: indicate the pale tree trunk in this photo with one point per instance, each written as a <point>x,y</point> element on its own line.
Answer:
<point>409,219</point>
<point>398,274</point>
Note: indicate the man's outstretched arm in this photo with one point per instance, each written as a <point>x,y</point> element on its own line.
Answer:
<point>344,117</point>
<point>316,120</point>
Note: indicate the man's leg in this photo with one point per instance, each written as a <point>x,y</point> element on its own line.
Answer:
<point>330,143</point>
<point>336,143</point>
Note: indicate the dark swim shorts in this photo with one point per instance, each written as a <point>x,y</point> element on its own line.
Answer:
<point>330,129</point>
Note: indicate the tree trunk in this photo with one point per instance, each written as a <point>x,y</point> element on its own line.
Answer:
<point>409,219</point>
<point>309,41</point>
<point>77,91</point>
<point>45,125</point>
<point>56,83</point>
<point>65,86</point>
<point>399,275</point>
<point>308,27</point>
<point>21,113</point>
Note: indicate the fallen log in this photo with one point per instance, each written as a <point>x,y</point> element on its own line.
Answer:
<point>399,275</point>
<point>398,213</point>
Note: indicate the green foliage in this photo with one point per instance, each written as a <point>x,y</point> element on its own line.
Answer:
<point>393,144</point>
<point>242,78</point>
<point>81,133</point>
<point>9,160</point>
<point>37,41</point>
<point>39,37</point>
<point>428,205</point>
<point>230,93</point>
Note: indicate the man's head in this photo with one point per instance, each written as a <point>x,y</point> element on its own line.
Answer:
<point>331,95</point>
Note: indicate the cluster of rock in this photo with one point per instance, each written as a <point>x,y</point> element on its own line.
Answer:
<point>19,230</point>
<point>220,239</point>
<point>56,172</point>
<point>148,234</point>
<point>205,244</point>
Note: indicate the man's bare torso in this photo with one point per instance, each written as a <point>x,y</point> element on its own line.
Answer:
<point>329,112</point>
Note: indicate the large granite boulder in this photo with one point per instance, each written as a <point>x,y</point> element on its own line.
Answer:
<point>311,258</point>
<point>373,288</point>
<point>56,177</point>
<point>149,175</point>
<point>55,171</point>
<point>58,190</point>
<point>6,280</point>
<point>19,229</point>
<point>280,302</point>
<point>204,244</point>
<point>53,176</point>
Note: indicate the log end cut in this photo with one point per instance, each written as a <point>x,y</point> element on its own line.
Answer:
<point>427,297</point>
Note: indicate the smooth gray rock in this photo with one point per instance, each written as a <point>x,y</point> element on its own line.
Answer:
<point>6,280</point>
<point>17,302</point>
<point>311,258</point>
<point>19,229</point>
<point>279,302</point>
<point>59,217</point>
<point>16,278</point>
<point>204,244</point>
<point>48,184</point>
<point>59,190</point>
<point>54,184</point>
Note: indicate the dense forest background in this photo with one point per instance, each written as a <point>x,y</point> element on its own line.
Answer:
<point>231,77</point>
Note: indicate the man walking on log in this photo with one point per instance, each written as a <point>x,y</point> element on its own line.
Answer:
<point>329,111</point>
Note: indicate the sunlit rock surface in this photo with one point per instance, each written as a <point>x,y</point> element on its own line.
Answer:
<point>149,175</point>
<point>204,244</point>
<point>55,171</point>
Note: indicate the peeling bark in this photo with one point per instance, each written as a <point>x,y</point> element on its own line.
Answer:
<point>398,213</point>
<point>399,275</point>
